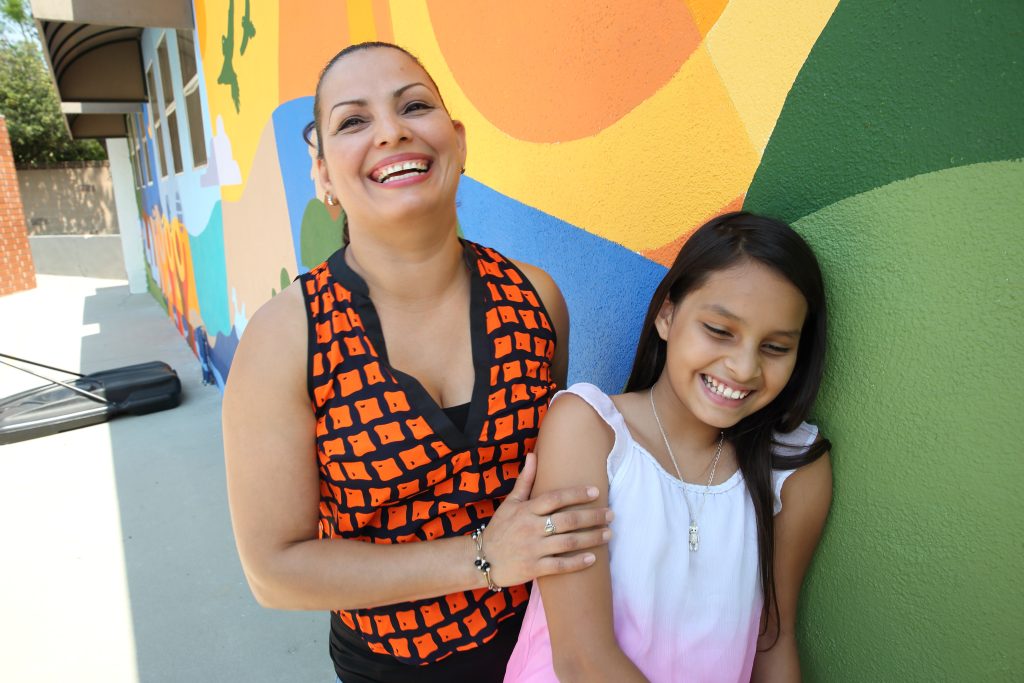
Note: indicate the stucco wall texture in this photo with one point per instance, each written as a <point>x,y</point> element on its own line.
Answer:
<point>71,199</point>
<point>886,156</point>
<point>602,133</point>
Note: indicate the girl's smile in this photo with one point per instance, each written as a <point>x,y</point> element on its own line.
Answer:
<point>719,390</point>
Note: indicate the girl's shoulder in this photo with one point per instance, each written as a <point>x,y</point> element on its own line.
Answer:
<point>596,411</point>
<point>575,439</point>
<point>608,408</point>
<point>795,443</point>
<point>815,477</point>
<point>590,393</point>
<point>588,402</point>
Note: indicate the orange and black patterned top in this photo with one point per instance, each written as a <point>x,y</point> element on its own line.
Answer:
<point>395,469</point>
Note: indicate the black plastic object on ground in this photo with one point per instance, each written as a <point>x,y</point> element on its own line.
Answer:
<point>86,400</point>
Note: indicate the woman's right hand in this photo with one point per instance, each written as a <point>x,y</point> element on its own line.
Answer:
<point>517,543</point>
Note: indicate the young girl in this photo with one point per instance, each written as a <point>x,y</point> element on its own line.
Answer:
<point>719,488</point>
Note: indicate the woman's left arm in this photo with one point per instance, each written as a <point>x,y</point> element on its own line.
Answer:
<point>806,495</point>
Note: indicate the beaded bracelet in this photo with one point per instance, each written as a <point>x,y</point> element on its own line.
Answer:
<point>481,562</point>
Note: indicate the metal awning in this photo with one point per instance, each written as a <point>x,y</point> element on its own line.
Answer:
<point>94,50</point>
<point>98,119</point>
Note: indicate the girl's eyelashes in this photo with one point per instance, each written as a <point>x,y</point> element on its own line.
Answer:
<point>719,333</point>
<point>716,331</point>
<point>777,349</point>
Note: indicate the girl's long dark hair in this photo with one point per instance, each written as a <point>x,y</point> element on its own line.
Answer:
<point>721,243</point>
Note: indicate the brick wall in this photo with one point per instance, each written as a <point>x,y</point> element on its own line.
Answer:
<point>17,272</point>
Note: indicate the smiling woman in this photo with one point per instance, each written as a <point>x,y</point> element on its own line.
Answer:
<point>397,117</point>
<point>381,411</point>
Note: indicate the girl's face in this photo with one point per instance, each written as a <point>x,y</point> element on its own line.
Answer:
<point>732,343</point>
<point>391,151</point>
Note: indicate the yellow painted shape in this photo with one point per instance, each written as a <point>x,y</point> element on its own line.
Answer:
<point>257,241</point>
<point>257,73</point>
<point>759,48</point>
<point>361,24</point>
<point>665,167</point>
<point>705,13</point>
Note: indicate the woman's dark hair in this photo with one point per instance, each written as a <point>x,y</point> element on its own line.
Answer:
<point>729,240</point>
<point>314,125</point>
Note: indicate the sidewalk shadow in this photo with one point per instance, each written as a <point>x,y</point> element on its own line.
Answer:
<point>193,616</point>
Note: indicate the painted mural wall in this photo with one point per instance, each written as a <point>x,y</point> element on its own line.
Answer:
<point>601,134</point>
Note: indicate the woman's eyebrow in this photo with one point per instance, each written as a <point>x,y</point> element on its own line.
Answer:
<point>398,93</point>
<point>360,103</point>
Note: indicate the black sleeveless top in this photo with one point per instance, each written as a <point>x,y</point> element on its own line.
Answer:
<point>395,468</point>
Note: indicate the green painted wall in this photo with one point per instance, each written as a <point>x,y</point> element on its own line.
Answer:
<point>898,155</point>
<point>918,578</point>
<point>892,90</point>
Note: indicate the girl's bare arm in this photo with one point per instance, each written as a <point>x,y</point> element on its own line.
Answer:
<point>572,451</point>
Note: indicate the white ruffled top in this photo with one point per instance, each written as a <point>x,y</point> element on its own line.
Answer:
<point>679,615</point>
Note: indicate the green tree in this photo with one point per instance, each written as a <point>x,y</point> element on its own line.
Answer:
<point>28,99</point>
<point>17,12</point>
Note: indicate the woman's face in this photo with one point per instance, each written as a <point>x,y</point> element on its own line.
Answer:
<point>390,149</point>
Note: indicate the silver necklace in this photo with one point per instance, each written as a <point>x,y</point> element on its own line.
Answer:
<point>694,518</point>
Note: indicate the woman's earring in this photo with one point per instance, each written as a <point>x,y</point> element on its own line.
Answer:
<point>330,199</point>
<point>463,171</point>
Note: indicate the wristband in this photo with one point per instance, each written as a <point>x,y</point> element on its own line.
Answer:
<point>481,562</point>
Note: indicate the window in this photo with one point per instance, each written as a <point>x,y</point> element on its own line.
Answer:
<point>154,114</point>
<point>170,107</point>
<point>193,103</point>
<point>140,130</point>
<point>133,149</point>
<point>172,131</point>
<point>138,150</point>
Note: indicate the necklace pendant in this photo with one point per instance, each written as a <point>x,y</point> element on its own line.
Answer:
<point>694,537</point>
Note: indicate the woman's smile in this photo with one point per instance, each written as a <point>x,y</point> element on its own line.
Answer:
<point>401,169</point>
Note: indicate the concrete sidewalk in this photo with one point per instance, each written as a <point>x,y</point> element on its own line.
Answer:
<point>119,563</point>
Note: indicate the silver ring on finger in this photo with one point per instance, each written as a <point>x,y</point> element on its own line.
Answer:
<point>549,527</point>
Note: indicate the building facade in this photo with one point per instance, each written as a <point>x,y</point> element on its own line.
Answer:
<point>600,135</point>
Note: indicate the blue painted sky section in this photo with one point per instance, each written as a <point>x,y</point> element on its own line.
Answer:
<point>221,355</point>
<point>293,156</point>
<point>209,268</point>
<point>150,192</point>
<point>197,203</point>
<point>606,286</point>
